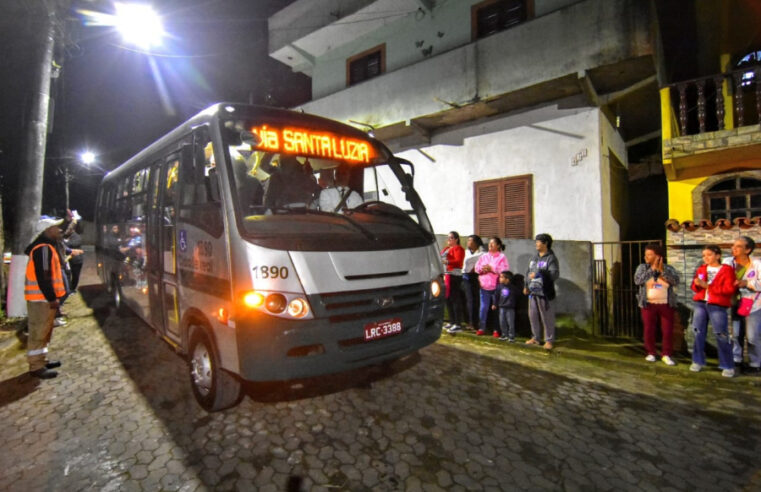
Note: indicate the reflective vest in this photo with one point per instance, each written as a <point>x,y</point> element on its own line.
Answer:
<point>32,290</point>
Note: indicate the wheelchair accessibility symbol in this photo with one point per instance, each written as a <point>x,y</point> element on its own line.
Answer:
<point>183,240</point>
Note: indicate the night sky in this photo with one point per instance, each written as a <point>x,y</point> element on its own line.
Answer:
<point>114,100</point>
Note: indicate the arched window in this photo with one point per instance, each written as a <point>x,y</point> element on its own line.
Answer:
<point>732,198</point>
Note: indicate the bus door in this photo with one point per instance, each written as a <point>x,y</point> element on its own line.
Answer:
<point>153,246</point>
<point>167,252</point>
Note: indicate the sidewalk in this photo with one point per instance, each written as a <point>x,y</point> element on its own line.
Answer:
<point>620,363</point>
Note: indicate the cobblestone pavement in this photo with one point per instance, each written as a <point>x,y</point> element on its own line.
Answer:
<point>121,416</point>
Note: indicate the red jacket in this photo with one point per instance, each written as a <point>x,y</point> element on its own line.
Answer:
<point>720,291</point>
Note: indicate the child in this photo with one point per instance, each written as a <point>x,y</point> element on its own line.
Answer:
<point>506,299</point>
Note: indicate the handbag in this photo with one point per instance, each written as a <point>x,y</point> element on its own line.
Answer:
<point>746,304</point>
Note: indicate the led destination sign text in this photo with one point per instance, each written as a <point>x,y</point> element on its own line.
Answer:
<point>313,143</point>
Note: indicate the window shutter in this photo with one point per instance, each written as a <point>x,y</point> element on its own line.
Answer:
<point>503,207</point>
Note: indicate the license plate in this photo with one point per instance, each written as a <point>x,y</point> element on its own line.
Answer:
<point>383,329</point>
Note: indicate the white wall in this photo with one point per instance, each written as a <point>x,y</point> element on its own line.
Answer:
<point>446,28</point>
<point>566,197</point>
<point>564,42</point>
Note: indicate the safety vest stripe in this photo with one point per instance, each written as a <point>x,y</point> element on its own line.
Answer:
<point>34,352</point>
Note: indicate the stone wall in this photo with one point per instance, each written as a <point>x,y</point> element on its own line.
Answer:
<point>685,247</point>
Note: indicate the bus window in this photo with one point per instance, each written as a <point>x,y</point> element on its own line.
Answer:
<point>169,214</point>
<point>197,204</point>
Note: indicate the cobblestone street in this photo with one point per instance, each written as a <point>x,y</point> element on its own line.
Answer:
<point>121,416</point>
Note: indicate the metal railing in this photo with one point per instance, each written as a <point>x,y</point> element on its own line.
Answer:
<point>614,300</point>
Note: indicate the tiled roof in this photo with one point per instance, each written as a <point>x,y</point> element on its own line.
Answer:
<point>740,223</point>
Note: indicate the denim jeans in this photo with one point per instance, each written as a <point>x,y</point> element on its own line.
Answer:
<point>507,322</point>
<point>487,299</point>
<point>702,313</point>
<point>753,336</point>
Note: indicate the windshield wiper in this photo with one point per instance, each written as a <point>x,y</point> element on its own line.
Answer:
<point>365,231</point>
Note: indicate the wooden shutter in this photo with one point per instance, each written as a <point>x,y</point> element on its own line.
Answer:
<point>503,207</point>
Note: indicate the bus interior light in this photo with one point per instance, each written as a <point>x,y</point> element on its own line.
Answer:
<point>275,303</point>
<point>298,308</point>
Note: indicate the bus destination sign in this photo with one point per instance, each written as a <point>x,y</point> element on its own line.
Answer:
<point>313,143</point>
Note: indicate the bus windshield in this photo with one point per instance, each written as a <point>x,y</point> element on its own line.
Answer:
<point>312,190</point>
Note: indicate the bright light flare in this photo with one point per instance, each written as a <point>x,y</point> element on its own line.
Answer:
<point>139,24</point>
<point>87,158</point>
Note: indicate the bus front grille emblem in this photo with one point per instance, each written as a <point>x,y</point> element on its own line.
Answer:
<point>384,302</point>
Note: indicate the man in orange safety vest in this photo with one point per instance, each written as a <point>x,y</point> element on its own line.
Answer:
<point>43,290</point>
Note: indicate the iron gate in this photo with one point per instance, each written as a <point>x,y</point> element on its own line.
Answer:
<point>614,297</point>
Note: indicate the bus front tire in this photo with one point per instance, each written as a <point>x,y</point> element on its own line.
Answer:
<point>116,295</point>
<point>214,388</point>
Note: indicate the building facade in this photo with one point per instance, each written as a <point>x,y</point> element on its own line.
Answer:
<point>516,113</point>
<point>711,134</point>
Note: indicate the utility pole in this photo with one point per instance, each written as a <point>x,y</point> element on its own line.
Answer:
<point>33,155</point>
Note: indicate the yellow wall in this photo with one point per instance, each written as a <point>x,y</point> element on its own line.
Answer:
<point>680,198</point>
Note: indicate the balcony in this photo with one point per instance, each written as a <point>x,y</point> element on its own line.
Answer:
<point>591,53</point>
<point>711,124</point>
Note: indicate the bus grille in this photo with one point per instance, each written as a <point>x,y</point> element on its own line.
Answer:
<point>404,301</point>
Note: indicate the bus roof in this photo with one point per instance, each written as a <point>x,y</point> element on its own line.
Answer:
<point>222,110</point>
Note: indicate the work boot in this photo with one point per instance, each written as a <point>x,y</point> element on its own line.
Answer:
<point>43,373</point>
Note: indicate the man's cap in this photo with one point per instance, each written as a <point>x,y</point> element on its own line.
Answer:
<point>44,223</point>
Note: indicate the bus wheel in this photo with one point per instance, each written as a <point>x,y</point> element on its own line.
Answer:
<point>116,294</point>
<point>214,388</point>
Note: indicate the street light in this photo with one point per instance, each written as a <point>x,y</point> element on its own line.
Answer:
<point>138,24</point>
<point>87,157</point>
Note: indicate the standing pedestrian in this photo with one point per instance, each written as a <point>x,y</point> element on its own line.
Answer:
<point>452,256</point>
<point>473,251</point>
<point>714,287</point>
<point>543,271</point>
<point>488,267</point>
<point>506,299</point>
<point>748,282</point>
<point>73,241</point>
<point>44,288</point>
<point>742,247</point>
<point>657,301</point>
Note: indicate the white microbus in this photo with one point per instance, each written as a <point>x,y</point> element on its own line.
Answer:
<point>270,245</point>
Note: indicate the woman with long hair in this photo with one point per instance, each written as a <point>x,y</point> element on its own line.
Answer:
<point>714,287</point>
<point>488,268</point>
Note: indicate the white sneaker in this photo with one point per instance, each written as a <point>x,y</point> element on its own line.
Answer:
<point>59,322</point>
<point>694,367</point>
<point>728,373</point>
<point>668,360</point>
<point>650,358</point>
<point>454,328</point>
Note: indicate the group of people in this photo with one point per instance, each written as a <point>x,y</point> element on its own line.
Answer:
<point>474,273</point>
<point>52,274</point>
<point>724,291</point>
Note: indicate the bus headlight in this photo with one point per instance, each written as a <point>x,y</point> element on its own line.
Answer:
<point>275,303</point>
<point>298,308</point>
<point>289,305</point>
<point>435,287</point>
